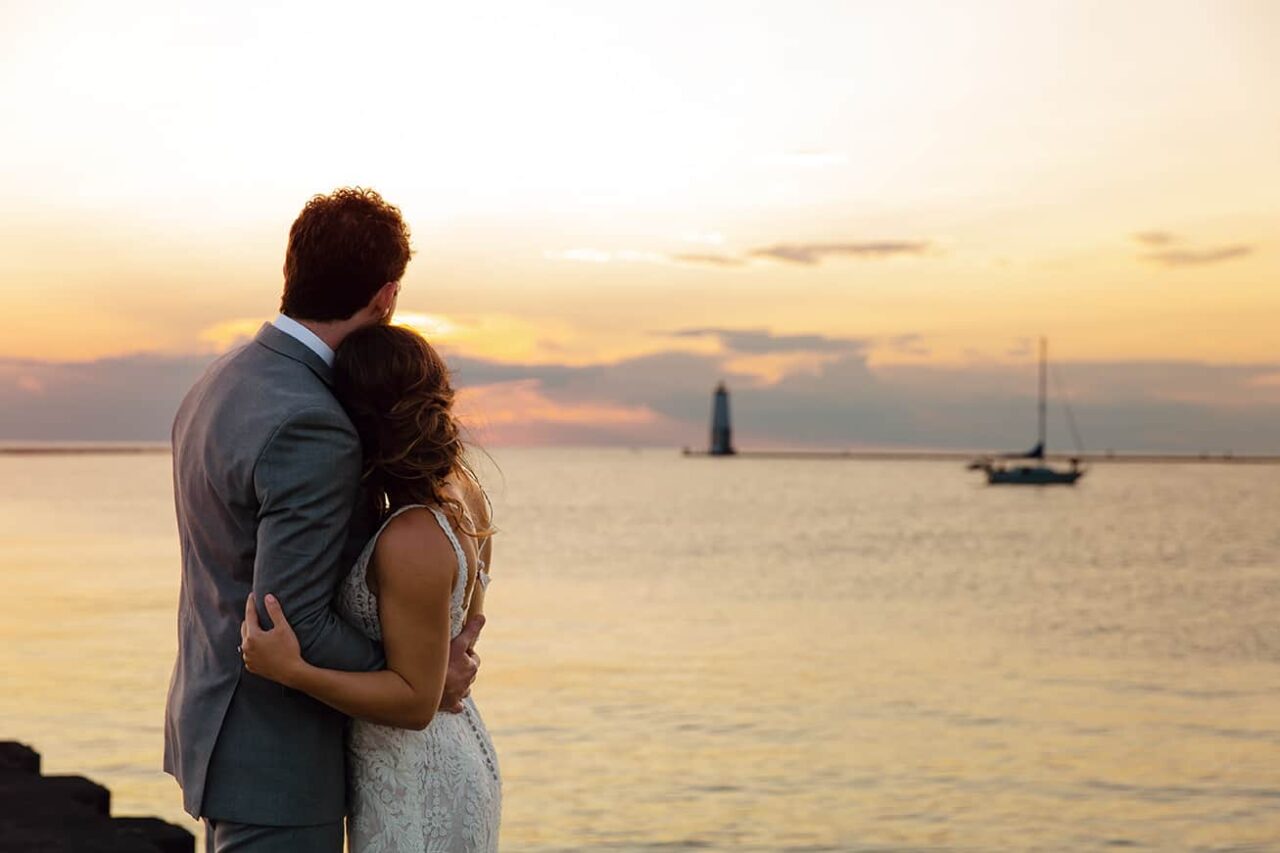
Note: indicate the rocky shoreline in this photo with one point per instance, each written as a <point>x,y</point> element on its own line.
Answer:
<point>62,814</point>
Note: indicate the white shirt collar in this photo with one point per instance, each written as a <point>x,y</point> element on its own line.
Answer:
<point>305,336</point>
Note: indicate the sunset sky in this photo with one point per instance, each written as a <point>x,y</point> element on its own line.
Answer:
<point>860,214</point>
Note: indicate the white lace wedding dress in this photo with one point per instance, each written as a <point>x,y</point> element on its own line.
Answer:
<point>431,791</point>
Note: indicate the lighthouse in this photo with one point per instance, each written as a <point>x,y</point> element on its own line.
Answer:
<point>721,435</point>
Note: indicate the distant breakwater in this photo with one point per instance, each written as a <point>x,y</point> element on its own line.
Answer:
<point>960,456</point>
<point>69,449</point>
<point>1218,458</point>
<point>62,814</point>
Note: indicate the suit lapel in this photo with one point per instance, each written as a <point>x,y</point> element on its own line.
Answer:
<point>290,347</point>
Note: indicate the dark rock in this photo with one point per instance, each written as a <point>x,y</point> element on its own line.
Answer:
<point>71,814</point>
<point>72,835</point>
<point>19,757</point>
<point>165,837</point>
<point>25,795</point>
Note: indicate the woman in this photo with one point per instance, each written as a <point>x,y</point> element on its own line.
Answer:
<point>418,780</point>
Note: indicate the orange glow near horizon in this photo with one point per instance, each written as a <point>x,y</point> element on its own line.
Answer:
<point>834,170</point>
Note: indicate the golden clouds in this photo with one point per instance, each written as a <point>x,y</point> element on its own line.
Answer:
<point>222,336</point>
<point>520,412</point>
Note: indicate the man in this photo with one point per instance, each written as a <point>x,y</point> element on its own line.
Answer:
<point>266,472</point>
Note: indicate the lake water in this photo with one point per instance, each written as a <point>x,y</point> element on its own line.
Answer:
<point>759,654</point>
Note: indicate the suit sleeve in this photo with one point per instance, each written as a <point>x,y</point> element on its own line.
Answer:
<point>307,484</point>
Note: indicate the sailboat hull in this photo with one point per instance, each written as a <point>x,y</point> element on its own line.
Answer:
<point>1031,473</point>
<point>1032,476</point>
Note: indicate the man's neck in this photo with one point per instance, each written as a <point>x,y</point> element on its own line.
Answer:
<point>333,334</point>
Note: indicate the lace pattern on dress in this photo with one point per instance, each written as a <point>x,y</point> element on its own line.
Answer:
<point>438,790</point>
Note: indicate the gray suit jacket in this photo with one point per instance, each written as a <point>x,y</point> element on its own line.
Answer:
<point>266,470</point>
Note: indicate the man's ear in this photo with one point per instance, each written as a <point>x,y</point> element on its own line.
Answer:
<point>384,301</point>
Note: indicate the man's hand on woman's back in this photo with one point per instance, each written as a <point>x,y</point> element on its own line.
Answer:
<point>464,663</point>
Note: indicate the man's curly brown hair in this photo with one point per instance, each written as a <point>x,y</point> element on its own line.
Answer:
<point>343,248</point>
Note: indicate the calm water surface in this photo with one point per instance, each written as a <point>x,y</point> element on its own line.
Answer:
<point>766,655</point>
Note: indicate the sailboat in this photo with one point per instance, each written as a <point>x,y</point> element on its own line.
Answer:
<point>1031,474</point>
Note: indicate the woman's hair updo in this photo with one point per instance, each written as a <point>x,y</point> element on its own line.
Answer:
<point>396,389</point>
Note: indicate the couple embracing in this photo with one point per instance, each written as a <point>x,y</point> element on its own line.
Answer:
<point>335,552</point>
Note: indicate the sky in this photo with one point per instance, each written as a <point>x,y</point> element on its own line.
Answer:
<point>860,215</point>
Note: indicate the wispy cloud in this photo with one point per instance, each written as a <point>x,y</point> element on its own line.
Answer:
<point>708,259</point>
<point>1155,238</point>
<point>762,341</point>
<point>1162,244</point>
<point>805,254</point>
<point>1199,257</point>
<point>908,344</point>
<point>814,253</point>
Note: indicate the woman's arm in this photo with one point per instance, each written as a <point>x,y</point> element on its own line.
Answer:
<point>415,569</point>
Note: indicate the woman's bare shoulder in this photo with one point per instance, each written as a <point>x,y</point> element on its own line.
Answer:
<point>414,548</point>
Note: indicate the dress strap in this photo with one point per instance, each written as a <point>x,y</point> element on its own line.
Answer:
<point>482,565</point>
<point>458,597</point>
<point>399,511</point>
<point>460,589</point>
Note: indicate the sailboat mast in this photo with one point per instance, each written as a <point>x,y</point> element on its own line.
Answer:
<point>1044,356</point>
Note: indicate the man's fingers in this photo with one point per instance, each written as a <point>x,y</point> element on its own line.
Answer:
<point>275,612</point>
<point>251,616</point>
<point>471,631</point>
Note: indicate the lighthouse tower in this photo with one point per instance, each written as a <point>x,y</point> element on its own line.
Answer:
<point>721,435</point>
